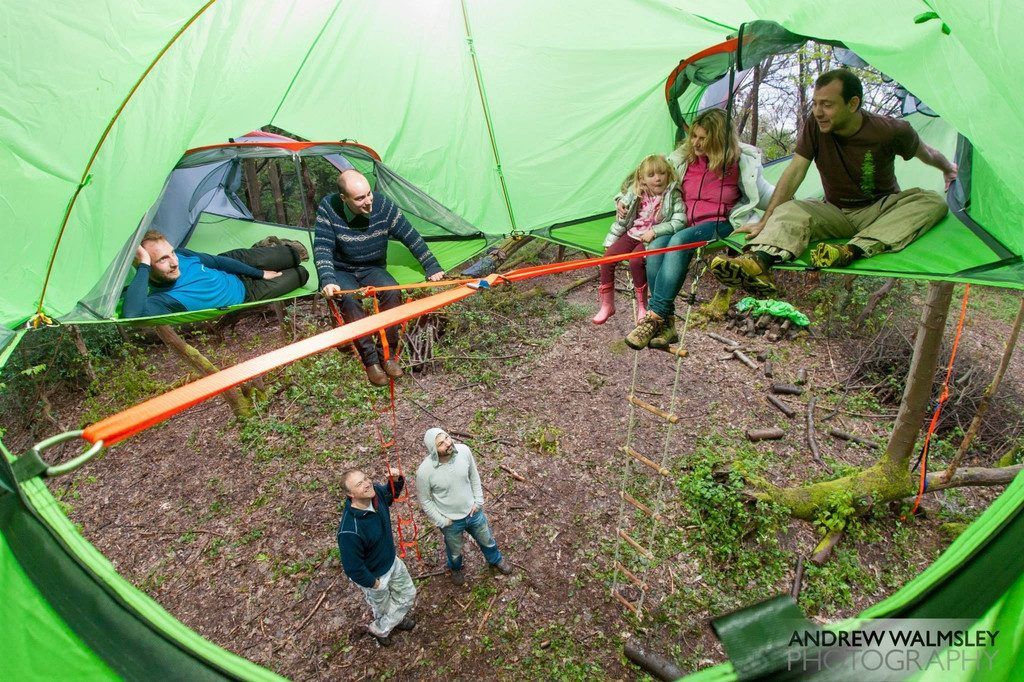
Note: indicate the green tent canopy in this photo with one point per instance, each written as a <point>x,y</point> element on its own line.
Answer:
<point>519,117</point>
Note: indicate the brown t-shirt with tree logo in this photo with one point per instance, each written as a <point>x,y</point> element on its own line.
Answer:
<point>857,171</point>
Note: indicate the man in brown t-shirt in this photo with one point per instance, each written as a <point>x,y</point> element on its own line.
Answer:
<point>854,151</point>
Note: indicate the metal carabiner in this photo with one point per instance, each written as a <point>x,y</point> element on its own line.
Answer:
<point>66,467</point>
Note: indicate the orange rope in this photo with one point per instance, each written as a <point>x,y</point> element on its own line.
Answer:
<point>943,397</point>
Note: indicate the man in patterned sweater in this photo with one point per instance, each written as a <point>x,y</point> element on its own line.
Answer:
<point>350,252</point>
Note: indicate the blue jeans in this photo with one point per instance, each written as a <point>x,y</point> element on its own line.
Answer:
<point>476,526</point>
<point>666,272</point>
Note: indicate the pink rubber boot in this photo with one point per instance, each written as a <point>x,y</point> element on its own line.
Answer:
<point>641,303</point>
<point>607,294</point>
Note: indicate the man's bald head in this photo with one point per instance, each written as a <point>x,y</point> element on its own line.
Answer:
<point>355,191</point>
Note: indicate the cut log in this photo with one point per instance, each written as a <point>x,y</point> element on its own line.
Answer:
<point>769,371</point>
<point>824,549</point>
<point>658,666</point>
<point>781,406</point>
<point>843,435</point>
<point>786,389</point>
<point>773,433</point>
<point>801,377</point>
<point>745,359</point>
<point>723,339</point>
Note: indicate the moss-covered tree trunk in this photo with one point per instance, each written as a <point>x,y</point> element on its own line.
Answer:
<point>889,478</point>
<point>239,402</point>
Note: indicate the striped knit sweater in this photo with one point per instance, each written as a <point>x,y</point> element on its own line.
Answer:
<point>347,245</point>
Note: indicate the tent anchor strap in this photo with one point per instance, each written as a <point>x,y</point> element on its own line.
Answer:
<point>32,464</point>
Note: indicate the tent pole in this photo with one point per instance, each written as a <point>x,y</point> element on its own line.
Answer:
<point>487,115</point>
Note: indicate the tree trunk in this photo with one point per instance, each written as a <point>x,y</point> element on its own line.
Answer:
<point>239,404</point>
<point>253,189</point>
<point>310,198</point>
<point>275,187</point>
<point>889,478</point>
<point>83,350</point>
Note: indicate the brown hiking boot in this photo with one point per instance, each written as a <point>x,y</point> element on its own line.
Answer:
<point>503,567</point>
<point>667,336</point>
<point>458,577</point>
<point>645,331</point>
<point>376,375</point>
<point>744,271</point>
<point>826,255</point>
<point>392,368</point>
<point>273,240</point>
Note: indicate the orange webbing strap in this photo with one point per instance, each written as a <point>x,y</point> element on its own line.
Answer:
<point>155,410</point>
<point>943,397</point>
<point>129,422</point>
<point>554,268</point>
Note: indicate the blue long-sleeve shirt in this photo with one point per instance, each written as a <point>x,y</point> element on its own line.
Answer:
<point>344,243</point>
<point>365,541</point>
<point>205,281</point>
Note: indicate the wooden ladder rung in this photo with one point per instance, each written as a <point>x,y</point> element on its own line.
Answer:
<point>667,416</point>
<point>629,574</point>
<point>625,602</point>
<point>645,460</point>
<point>678,351</point>
<point>636,545</point>
<point>641,506</point>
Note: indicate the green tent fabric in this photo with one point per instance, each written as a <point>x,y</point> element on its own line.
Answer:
<point>517,116</point>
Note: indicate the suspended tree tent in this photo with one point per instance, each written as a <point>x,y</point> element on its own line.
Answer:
<point>517,116</point>
<point>200,208</point>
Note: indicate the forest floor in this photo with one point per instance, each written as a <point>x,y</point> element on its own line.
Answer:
<point>230,524</point>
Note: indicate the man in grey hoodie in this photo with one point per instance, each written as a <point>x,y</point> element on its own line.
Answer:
<point>449,490</point>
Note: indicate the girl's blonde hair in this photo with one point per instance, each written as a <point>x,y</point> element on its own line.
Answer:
<point>713,121</point>
<point>652,163</point>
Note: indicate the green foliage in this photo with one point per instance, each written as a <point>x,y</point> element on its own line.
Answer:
<point>543,438</point>
<point>556,655</point>
<point>832,586</point>
<point>836,511</point>
<point>330,384</point>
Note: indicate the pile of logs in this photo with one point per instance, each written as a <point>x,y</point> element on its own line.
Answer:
<point>769,326</point>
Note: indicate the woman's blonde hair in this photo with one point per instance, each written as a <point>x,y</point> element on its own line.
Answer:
<point>652,163</point>
<point>713,121</point>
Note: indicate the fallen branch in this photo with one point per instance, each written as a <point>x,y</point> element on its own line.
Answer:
<point>487,614</point>
<point>578,283</point>
<point>511,473</point>
<point>812,436</point>
<point>722,339</point>
<point>798,579</point>
<point>315,609</point>
<point>781,406</point>
<point>657,665</point>
<point>745,359</point>
<point>873,300</point>
<point>843,435</point>
<point>824,549</point>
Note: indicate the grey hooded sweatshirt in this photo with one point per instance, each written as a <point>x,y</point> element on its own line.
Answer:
<point>447,491</point>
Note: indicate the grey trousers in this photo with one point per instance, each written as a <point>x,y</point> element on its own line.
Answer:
<point>392,600</point>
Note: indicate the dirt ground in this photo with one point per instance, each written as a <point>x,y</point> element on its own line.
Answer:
<point>241,547</point>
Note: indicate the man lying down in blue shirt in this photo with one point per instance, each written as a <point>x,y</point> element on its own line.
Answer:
<point>174,281</point>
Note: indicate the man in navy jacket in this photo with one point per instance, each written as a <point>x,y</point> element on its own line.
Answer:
<point>368,552</point>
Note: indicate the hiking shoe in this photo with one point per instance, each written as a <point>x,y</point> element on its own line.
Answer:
<point>667,336</point>
<point>645,331</point>
<point>831,255</point>
<point>382,641</point>
<point>743,271</point>
<point>298,247</point>
<point>502,567</point>
<point>273,240</point>
<point>406,624</point>
<point>458,577</point>
<point>392,368</point>
<point>376,375</point>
